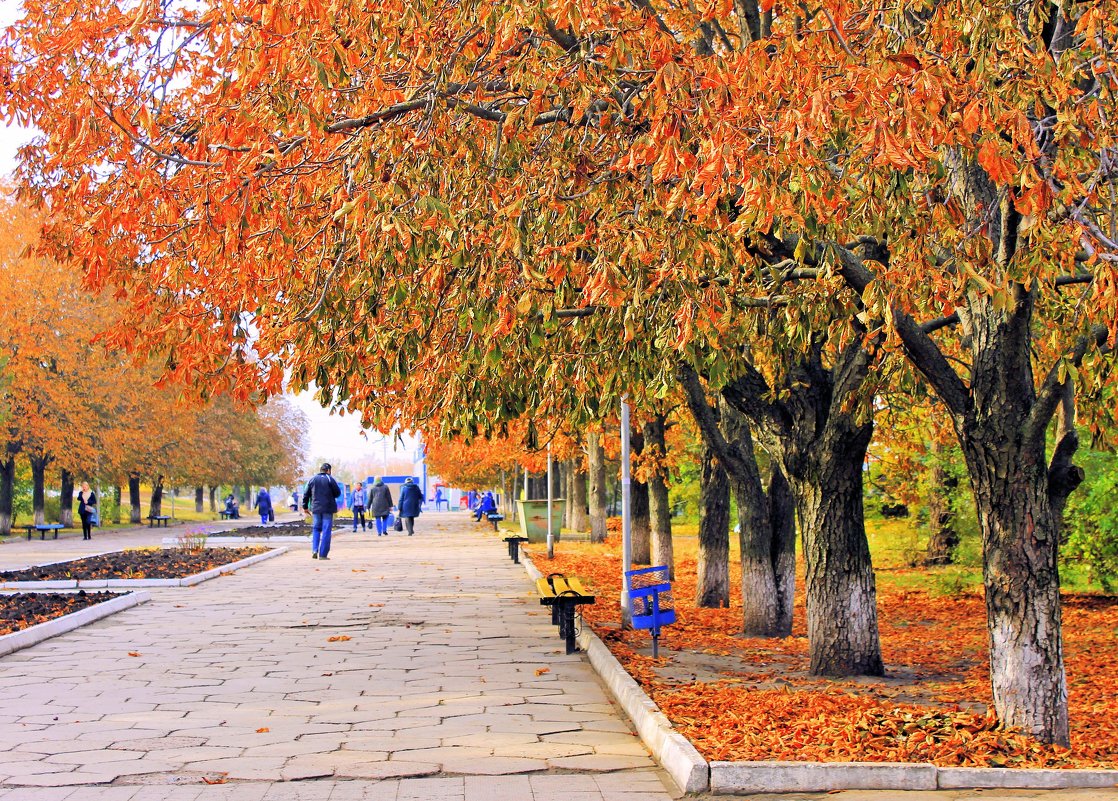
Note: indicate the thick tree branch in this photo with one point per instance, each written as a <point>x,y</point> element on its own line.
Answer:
<point>1053,389</point>
<point>918,345</point>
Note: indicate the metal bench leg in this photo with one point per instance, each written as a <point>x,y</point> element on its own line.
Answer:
<point>567,626</point>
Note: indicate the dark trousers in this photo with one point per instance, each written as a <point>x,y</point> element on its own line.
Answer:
<point>409,524</point>
<point>358,514</point>
<point>87,527</point>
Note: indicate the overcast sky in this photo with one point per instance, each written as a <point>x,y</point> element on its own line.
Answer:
<point>332,437</point>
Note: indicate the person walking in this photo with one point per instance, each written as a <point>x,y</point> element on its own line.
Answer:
<point>359,506</point>
<point>87,510</point>
<point>264,506</point>
<point>380,504</point>
<point>411,502</point>
<point>321,500</point>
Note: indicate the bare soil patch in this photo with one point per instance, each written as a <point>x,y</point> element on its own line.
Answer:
<point>142,563</point>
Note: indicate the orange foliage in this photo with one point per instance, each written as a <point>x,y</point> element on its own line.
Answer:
<point>740,698</point>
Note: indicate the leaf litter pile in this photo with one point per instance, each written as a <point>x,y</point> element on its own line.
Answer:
<point>22,610</point>
<point>140,563</point>
<point>738,699</point>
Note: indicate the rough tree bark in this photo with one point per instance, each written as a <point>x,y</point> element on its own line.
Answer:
<point>641,523</point>
<point>712,588</point>
<point>66,499</point>
<point>576,498</point>
<point>135,515</point>
<point>659,507</point>
<point>1001,416</point>
<point>38,487</point>
<point>7,494</point>
<point>597,488</point>
<point>213,499</point>
<point>199,499</point>
<point>766,525</point>
<point>943,537</point>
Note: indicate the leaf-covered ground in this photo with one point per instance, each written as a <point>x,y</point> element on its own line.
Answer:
<point>22,610</point>
<point>738,698</point>
<point>141,563</point>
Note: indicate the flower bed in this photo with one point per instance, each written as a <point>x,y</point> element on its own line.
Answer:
<point>140,563</point>
<point>21,610</point>
<point>741,699</point>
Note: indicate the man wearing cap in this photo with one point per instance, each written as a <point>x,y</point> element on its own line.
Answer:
<point>321,500</point>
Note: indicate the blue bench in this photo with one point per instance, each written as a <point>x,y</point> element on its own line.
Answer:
<point>43,528</point>
<point>650,600</point>
<point>494,518</point>
<point>157,520</point>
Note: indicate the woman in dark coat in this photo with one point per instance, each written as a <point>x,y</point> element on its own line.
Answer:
<point>264,505</point>
<point>411,502</point>
<point>380,504</point>
<point>87,510</point>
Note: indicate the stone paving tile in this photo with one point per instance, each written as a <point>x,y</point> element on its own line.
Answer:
<point>434,694</point>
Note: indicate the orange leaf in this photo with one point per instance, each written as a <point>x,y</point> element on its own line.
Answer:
<point>541,671</point>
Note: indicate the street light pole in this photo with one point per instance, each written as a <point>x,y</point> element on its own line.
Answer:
<point>550,537</point>
<point>626,516</point>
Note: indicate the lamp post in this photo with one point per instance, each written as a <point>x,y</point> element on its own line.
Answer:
<point>550,537</point>
<point>626,516</point>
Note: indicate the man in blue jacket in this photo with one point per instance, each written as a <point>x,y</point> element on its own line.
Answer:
<point>321,500</point>
<point>411,500</point>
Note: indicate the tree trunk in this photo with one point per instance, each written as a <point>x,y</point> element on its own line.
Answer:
<point>841,591</point>
<point>580,519</point>
<point>199,499</point>
<point>817,433</point>
<point>782,519</point>
<point>713,585</point>
<point>943,537</point>
<point>763,538</point>
<point>514,509</point>
<point>639,512</point>
<point>116,504</point>
<point>38,487</point>
<point>155,508</point>
<point>213,500</point>
<point>537,487</point>
<point>66,499</point>
<point>7,494</point>
<point>136,514</point>
<point>659,507</point>
<point>597,488</point>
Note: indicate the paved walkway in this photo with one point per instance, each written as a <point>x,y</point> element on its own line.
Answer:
<point>401,668</point>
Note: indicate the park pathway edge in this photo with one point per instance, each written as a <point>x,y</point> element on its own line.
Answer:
<point>693,774</point>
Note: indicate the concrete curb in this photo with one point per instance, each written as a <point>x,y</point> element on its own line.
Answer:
<point>25,638</point>
<point>101,584</point>
<point>668,747</point>
<point>692,773</point>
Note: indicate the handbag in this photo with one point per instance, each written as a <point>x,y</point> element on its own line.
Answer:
<point>398,525</point>
<point>94,517</point>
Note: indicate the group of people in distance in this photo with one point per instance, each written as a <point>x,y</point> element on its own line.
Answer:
<point>321,500</point>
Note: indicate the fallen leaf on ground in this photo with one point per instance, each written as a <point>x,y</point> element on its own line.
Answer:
<point>221,780</point>
<point>541,671</point>
<point>338,638</point>
<point>262,729</point>
<point>133,653</point>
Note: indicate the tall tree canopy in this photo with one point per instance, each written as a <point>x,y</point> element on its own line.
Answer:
<point>413,193</point>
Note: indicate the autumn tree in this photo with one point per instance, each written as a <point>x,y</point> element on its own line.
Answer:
<point>839,179</point>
